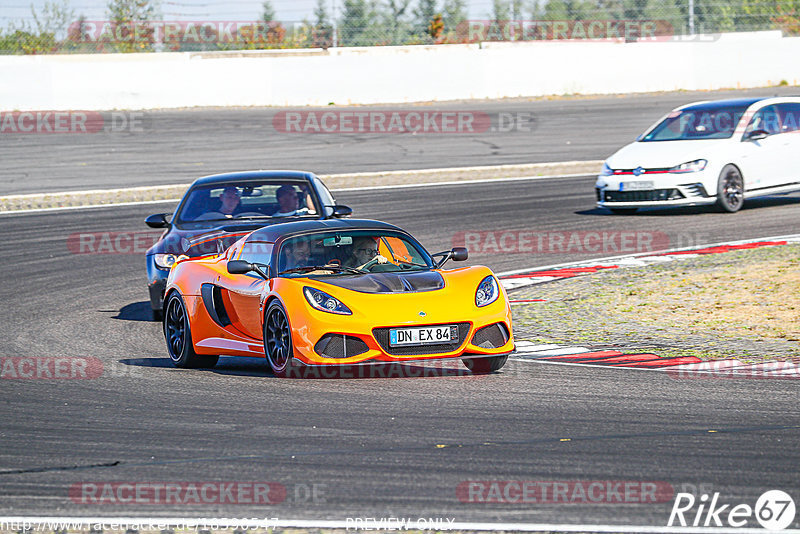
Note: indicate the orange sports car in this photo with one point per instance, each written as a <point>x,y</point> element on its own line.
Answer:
<point>332,293</point>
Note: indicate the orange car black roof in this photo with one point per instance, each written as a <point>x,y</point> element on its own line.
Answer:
<point>275,232</point>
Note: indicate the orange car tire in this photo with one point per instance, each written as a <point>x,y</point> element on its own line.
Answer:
<point>179,336</point>
<point>482,366</point>
<point>278,346</point>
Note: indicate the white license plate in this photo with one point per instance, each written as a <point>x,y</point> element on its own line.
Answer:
<point>635,186</point>
<point>428,335</point>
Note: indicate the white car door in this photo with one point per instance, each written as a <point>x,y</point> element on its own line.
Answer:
<point>789,116</point>
<point>762,157</point>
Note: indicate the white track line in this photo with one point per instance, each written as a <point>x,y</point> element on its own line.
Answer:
<point>598,366</point>
<point>529,346</point>
<point>368,188</point>
<point>384,525</point>
<point>89,207</point>
<point>464,182</point>
<point>566,351</point>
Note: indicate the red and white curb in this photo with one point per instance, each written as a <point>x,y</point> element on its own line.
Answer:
<point>527,277</point>
<point>678,367</point>
<point>688,367</point>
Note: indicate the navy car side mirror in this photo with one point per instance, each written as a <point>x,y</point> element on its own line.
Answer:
<point>342,211</point>
<point>159,220</point>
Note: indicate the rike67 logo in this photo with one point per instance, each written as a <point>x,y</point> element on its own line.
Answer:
<point>774,510</point>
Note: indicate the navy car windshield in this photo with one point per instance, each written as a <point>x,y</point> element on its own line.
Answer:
<point>351,252</point>
<point>248,200</point>
<point>698,122</point>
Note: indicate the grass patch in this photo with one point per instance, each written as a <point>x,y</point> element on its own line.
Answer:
<point>742,304</point>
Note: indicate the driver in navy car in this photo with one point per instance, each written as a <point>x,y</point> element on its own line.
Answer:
<point>288,203</point>
<point>365,250</point>
<point>231,201</point>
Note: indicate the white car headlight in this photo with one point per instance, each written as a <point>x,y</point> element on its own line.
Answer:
<point>165,261</point>
<point>606,170</point>
<point>690,166</point>
<point>487,291</point>
<point>324,302</point>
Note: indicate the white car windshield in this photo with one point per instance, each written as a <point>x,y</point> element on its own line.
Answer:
<point>697,122</point>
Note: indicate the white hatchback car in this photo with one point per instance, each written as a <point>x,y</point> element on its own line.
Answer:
<point>719,152</point>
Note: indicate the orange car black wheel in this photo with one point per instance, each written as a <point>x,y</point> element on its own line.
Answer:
<point>278,346</point>
<point>179,336</point>
<point>482,366</point>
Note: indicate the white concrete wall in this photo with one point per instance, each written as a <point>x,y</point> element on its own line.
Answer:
<point>393,74</point>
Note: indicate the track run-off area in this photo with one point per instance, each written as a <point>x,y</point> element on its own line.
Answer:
<point>433,446</point>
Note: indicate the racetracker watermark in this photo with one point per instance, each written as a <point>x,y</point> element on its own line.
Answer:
<point>176,33</point>
<point>548,30</point>
<point>735,370</point>
<point>573,30</point>
<point>401,122</point>
<point>254,525</point>
<point>413,369</point>
<point>111,242</point>
<point>50,368</point>
<point>71,122</point>
<point>548,242</point>
<point>564,492</point>
<point>180,493</point>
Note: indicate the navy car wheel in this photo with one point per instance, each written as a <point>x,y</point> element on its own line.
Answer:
<point>179,336</point>
<point>278,346</point>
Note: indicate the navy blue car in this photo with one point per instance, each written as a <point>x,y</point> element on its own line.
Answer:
<point>217,210</point>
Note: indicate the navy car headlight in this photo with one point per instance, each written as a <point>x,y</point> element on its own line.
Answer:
<point>165,261</point>
<point>690,166</point>
<point>487,292</point>
<point>324,302</point>
<point>606,171</point>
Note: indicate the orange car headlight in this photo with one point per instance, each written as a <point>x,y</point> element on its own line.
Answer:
<point>324,302</point>
<point>487,291</point>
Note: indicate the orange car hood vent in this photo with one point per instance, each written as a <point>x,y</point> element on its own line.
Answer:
<point>387,282</point>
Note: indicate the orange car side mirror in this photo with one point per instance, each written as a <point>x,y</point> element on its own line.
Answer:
<point>244,267</point>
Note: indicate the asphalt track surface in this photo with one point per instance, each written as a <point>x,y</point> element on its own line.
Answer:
<point>372,446</point>
<point>173,147</point>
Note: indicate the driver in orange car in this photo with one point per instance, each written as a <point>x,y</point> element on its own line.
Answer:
<point>297,253</point>
<point>365,251</point>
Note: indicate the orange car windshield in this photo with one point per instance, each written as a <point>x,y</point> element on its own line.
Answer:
<point>351,253</point>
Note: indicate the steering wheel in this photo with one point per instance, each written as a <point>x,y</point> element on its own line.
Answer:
<point>371,263</point>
